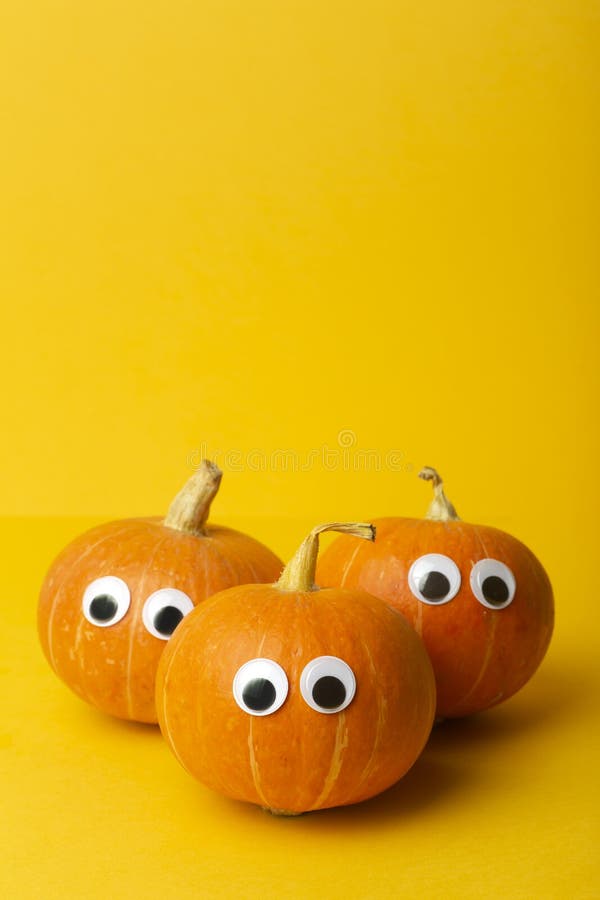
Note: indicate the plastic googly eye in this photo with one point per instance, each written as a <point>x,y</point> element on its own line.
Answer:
<point>105,601</point>
<point>328,684</point>
<point>434,579</point>
<point>164,610</point>
<point>493,583</point>
<point>260,687</point>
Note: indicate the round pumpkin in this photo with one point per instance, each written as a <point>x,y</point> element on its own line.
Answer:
<point>296,698</point>
<point>114,596</point>
<point>478,597</point>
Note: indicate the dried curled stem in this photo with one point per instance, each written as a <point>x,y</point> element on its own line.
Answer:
<point>299,574</point>
<point>440,508</point>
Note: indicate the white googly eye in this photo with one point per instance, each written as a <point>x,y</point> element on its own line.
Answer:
<point>164,610</point>
<point>328,684</point>
<point>493,583</point>
<point>260,687</point>
<point>105,601</point>
<point>434,579</point>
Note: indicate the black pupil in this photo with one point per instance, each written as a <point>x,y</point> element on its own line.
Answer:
<point>495,589</point>
<point>259,694</point>
<point>103,607</point>
<point>434,586</point>
<point>329,692</point>
<point>167,619</point>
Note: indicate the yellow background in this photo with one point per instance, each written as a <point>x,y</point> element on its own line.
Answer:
<point>282,226</point>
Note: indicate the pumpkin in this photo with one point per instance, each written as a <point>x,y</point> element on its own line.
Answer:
<point>296,698</point>
<point>477,596</point>
<point>114,596</point>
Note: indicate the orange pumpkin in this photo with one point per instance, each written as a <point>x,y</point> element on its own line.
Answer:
<point>116,593</point>
<point>296,698</point>
<point>478,597</point>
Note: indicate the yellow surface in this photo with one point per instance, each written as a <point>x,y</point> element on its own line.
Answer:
<point>336,242</point>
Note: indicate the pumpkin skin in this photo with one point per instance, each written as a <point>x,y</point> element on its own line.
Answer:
<point>114,667</point>
<point>480,656</point>
<point>296,759</point>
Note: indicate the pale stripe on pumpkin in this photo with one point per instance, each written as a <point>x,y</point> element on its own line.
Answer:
<point>489,647</point>
<point>418,623</point>
<point>68,572</point>
<point>222,557</point>
<point>254,769</point>
<point>254,765</point>
<point>348,565</point>
<point>492,621</point>
<point>381,718</point>
<point>253,572</point>
<point>135,624</point>
<point>165,719</point>
<point>82,622</point>
<point>341,742</point>
<point>241,564</point>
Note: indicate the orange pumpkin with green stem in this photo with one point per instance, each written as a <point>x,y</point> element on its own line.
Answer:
<point>293,697</point>
<point>116,593</point>
<point>479,598</point>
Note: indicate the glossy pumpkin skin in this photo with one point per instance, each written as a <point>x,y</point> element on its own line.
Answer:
<point>114,667</point>
<point>480,656</point>
<point>296,759</point>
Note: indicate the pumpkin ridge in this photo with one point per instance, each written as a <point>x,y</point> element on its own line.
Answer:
<point>254,768</point>
<point>164,725</point>
<point>337,760</point>
<point>477,530</point>
<point>349,564</point>
<point>491,630</point>
<point>78,635</point>
<point>380,721</point>
<point>253,571</point>
<point>63,582</point>
<point>254,765</point>
<point>337,620</point>
<point>493,621</point>
<point>225,563</point>
<point>134,537</point>
<point>137,620</point>
<point>418,623</point>
<point>239,558</point>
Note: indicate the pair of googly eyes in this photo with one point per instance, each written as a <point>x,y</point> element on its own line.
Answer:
<point>327,685</point>
<point>435,579</point>
<point>107,599</point>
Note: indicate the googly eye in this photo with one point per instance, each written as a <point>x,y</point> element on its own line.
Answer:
<point>493,583</point>
<point>164,610</point>
<point>105,601</point>
<point>434,579</point>
<point>328,684</point>
<point>260,687</point>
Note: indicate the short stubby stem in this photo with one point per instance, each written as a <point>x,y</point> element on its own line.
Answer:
<point>189,510</point>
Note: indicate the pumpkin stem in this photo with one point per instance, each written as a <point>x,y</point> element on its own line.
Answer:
<point>440,508</point>
<point>189,510</point>
<point>285,813</point>
<point>299,574</point>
